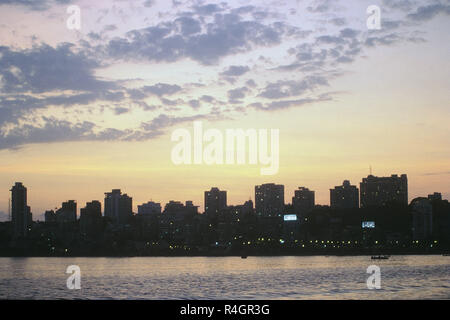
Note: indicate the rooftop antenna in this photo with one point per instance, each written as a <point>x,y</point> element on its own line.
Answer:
<point>370,169</point>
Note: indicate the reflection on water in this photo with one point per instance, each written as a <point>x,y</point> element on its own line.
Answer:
<point>318,277</point>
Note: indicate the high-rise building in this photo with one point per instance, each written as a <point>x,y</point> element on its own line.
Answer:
<point>247,207</point>
<point>215,201</point>
<point>149,208</point>
<point>269,200</point>
<point>189,204</point>
<point>435,196</point>
<point>21,217</point>
<point>90,217</point>
<point>345,196</point>
<point>422,214</point>
<point>303,201</point>
<point>178,209</point>
<point>67,212</point>
<point>50,216</point>
<point>241,210</point>
<point>118,206</point>
<point>380,191</point>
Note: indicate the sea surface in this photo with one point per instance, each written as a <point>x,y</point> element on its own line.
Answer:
<point>316,277</point>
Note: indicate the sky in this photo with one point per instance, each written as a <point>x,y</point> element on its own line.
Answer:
<point>86,111</point>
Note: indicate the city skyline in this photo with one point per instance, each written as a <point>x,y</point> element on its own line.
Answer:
<point>264,191</point>
<point>93,109</point>
<point>384,220</point>
<point>323,199</point>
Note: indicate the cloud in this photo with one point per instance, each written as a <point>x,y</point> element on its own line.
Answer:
<point>188,26</point>
<point>149,3</point>
<point>169,102</point>
<point>284,89</point>
<point>195,104</point>
<point>44,68</point>
<point>235,71</point>
<point>383,40</point>
<point>404,5</point>
<point>340,21</point>
<point>109,27</point>
<point>251,83</point>
<point>235,95</point>
<point>208,9</point>
<point>38,5</point>
<point>121,110</point>
<point>330,50</point>
<point>36,79</point>
<point>285,104</point>
<point>437,173</point>
<point>55,130</point>
<point>207,98</point>
<point>320,6</point>
<point>425,13</point>
<point>232,73</point>
<point>52,131</point>
<point>228,34</point>
<point>14,107</point>
<point>162,89</point>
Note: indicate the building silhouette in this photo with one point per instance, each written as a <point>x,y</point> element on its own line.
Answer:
<point>21,216</point>
<point>118,206</point>
<point>242,209</point>
<point>50,216</point>
<point>67,212</point>
<point>435,196</point>
<point>345,196</point>
<point>380,191</point>
<point>90,218</point>
<point>149,208</point>
<point>422,218</point>
<point>441,217</point>
<point>300,227</point>
<point>177,208</point>
<point>215,201</point>
<point>176,221</point>
<point>303,201</point>
<point>269,200</point>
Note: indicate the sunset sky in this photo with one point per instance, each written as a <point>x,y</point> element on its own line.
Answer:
<point>85,111</point>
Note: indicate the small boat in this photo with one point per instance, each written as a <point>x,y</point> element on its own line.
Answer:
<point>380,257</point>
<point>446,254</point>
<point>243,257</point>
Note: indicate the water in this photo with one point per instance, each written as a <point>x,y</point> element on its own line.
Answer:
<point>402,277</point>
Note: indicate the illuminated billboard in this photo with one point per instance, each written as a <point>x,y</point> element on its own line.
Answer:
<point>368,224</point>
<point>290,217</point>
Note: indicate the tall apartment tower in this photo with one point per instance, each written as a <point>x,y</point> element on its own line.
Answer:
<point>303,201</point>
<point>118,206</point>
<point>379,191</point>
<point>90,217</point>
<point>345,196</point>
<point>215,201</point>
<point>21,217</point>
<point>269,200</point>
<point>67,212</point>
<point>149,208</point>
<point>422,218</point>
